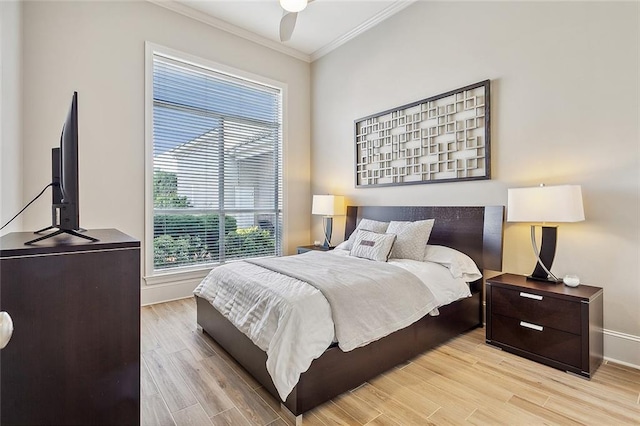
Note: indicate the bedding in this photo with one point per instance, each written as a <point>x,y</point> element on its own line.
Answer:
<point>292,321</point>
<point>367,225</point>
<point>443,285</point>
<point>372,246</point>
<point>368,300</point>
<point>460,265</point>
<point>412,237</point>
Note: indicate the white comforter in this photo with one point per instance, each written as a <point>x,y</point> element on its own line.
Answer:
<point>369,300</point>
<point>291,320</point>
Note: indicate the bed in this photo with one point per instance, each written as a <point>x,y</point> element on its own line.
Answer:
<point>475,231</point>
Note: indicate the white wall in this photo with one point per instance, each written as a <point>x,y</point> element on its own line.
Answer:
<point>564,109</point>
<point>98,49</point>
<point>11,114</point>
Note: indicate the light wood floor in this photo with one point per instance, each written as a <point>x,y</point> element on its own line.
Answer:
<point>187,379</point>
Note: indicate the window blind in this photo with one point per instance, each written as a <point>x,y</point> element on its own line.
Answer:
<point>217,166</point>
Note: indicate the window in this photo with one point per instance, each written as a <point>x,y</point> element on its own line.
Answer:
<point>216,166</point>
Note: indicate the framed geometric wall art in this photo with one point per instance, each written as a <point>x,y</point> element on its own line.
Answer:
<point>443,138</point>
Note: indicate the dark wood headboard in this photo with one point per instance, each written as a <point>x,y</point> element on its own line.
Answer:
<point>476,231</point>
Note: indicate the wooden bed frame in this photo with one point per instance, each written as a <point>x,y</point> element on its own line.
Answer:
<point>476,231</point>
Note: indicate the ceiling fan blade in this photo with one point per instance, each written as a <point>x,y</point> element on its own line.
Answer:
<point>287,24</point>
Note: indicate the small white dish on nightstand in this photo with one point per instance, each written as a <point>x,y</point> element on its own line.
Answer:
<point>571,280</point>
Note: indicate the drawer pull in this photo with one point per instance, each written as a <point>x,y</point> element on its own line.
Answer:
<point>531,326</point>
<point>530,296</point>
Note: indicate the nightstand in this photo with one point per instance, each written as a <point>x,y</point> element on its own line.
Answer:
<point>304,249</point>
<point>552,324</point>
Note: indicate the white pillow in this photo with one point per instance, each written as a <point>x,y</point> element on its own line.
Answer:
<point>372,246</point>
<point>460,265</point>
<point>437,278</point>
<point>368,225</point>
<point>412,238</point>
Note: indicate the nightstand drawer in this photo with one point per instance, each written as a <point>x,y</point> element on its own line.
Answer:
<point>539,309</point>
<point>537,339</point>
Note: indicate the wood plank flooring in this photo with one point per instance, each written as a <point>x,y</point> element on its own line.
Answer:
<point>187,379</point>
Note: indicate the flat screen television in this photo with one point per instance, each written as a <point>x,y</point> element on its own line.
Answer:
<point>65,205</point>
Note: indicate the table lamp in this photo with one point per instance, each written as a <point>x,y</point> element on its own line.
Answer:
<point>328,206</point>
<point>542,204</point>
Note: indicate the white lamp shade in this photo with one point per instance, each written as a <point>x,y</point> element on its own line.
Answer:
<point>293,5</point>
<point>561,203</point>
<point>328,205</point>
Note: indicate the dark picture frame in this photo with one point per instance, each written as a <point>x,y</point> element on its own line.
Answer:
<point>443,138</point>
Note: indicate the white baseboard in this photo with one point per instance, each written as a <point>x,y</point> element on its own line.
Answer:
<point>622,348</point>
<point>159,293</point>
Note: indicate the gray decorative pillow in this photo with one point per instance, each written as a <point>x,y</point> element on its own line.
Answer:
<point>412,238</point>
<point>372,245</point>
<point>367,225</point>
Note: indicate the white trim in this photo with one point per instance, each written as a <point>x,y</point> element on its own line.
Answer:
<point>284,110</point>
<point>622,348</point>
<point>150,295</point>
<point>365,26</point>
<point>182,9</point>
<point>148,158</point>
<point>178,275</point>
<point>172,300</point>
<point>626,336</point>
<point>230,28</point>
<point>617,361</point>
<point>201,62</point>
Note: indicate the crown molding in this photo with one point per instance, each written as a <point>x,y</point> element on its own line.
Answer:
<point>368,24</point>
<point>182,9</point>
<point>230,28</point>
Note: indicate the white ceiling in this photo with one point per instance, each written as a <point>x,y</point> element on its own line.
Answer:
<point>320,28</point>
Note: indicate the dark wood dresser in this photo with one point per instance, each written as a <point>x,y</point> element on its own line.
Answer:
<point>74,357</point>
<point>552,324</point>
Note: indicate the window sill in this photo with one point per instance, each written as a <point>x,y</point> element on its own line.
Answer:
<point>173,277</point>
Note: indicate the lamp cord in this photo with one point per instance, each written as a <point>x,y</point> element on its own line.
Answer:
<point>25,207</point>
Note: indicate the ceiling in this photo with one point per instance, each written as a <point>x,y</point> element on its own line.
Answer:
<point>320,28</point>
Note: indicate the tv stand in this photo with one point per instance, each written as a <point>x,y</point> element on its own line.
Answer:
<point>58,232</point>
<point>40,231</point>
